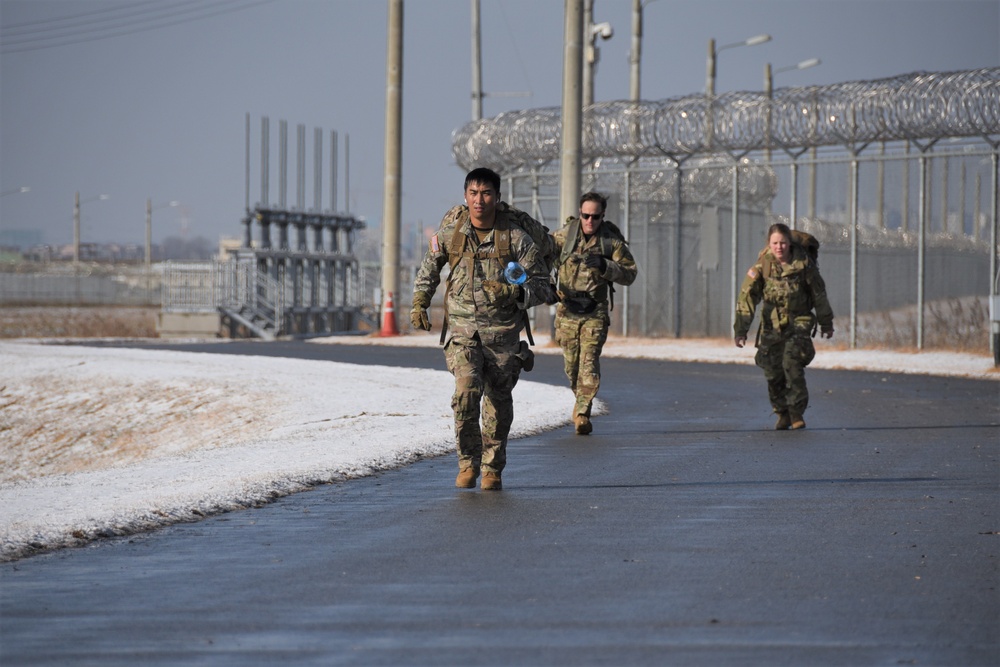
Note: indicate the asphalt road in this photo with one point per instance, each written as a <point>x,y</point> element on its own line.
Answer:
<point>684,531</point>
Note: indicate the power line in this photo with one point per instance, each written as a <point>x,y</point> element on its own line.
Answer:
<point>117,25</point>
<point>118,11</point>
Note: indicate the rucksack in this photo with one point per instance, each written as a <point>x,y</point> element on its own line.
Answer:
<point>804,239</point>
<point>574,233</point>
<point>538,232</point>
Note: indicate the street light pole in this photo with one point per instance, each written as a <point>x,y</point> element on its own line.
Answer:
<point>149,228</point>
<point>769,92</point>
<point>713,55</point>
<point>76,229</point>
<point>76,223</point>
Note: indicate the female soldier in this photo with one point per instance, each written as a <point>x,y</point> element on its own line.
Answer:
<point>787,279</point>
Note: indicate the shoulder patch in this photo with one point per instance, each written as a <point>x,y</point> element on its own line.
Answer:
<point>752,273</point>
<point>435,245</point>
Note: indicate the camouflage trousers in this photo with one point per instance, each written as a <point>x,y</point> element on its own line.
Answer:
<point>485,376</point>
<point>582,339</point>
<point>784,355</point>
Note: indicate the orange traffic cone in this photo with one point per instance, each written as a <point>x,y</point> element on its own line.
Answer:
<point>389,327</point>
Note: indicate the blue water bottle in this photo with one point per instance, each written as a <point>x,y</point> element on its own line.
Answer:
<point>515,273</point>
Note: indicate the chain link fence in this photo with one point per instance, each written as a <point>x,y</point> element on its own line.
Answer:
<point>915,272</point>
<point>88,284</point>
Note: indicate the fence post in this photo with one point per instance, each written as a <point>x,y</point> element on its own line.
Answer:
<point>854,250</point>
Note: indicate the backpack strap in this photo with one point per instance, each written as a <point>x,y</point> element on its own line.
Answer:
<point>608,251</point>
<point>456,249</point>
<point>572,234</point>
<point>766,260</point>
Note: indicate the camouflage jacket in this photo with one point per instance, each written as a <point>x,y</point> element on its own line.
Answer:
<point>469,311</point>
<point>790,295</point>
<point>576,279</point>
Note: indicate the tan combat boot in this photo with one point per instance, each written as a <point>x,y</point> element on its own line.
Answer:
<point>583,425</point>
<point>797,421</point>
<point>467,478</point>
<point>784,421</point>
<point>491,481</point>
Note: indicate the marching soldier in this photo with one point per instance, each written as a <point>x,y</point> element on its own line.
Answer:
<point>484,318</point>
<point>787,280</point>
<point>592,254</point>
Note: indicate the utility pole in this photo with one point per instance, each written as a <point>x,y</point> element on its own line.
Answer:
<point>635,53</point>
<point>477,65</point>
<point>393,151</point>
<point>76,229</point>
<point>569,162</point>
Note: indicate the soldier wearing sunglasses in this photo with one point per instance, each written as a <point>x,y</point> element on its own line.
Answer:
<point>592,256</point>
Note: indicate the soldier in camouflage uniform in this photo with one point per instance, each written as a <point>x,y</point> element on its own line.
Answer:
<point>483,320</point>
<point>787,279</point>
<point>592,255</point>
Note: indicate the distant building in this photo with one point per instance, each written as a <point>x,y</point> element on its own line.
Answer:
<point>20,238</point>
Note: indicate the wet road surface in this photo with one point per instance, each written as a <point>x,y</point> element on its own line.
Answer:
<point>684,531</point>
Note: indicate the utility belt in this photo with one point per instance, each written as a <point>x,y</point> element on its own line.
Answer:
<point>582,303</point>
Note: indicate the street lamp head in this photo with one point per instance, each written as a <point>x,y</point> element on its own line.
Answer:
<point>805,64</point>
<point>753,41</point>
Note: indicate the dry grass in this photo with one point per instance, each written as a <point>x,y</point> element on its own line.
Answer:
<point>78,322</point>
<point>65,422</point>
<point>956,325</point>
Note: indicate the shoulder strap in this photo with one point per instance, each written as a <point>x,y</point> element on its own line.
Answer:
<point>501,239</point>
<point>456,245</point>
<point>607,250</point>
<point>766,262</point>
<point>572,234</point>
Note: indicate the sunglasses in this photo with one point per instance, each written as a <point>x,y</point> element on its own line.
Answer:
<point>589,216</point>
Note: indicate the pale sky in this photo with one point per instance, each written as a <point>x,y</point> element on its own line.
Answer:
<point>138,111</point>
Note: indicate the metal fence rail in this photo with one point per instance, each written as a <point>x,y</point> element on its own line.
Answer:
<point>87,285</point>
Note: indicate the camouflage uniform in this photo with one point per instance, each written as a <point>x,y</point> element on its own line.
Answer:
<point>791,294</point>
<point>582,335</point>
<point>483,349</point>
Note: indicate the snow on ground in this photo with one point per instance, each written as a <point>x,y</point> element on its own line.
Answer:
<point>108,441</point>
<point>102,441</point>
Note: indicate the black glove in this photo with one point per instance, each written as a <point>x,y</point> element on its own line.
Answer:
<point>596,262</point>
